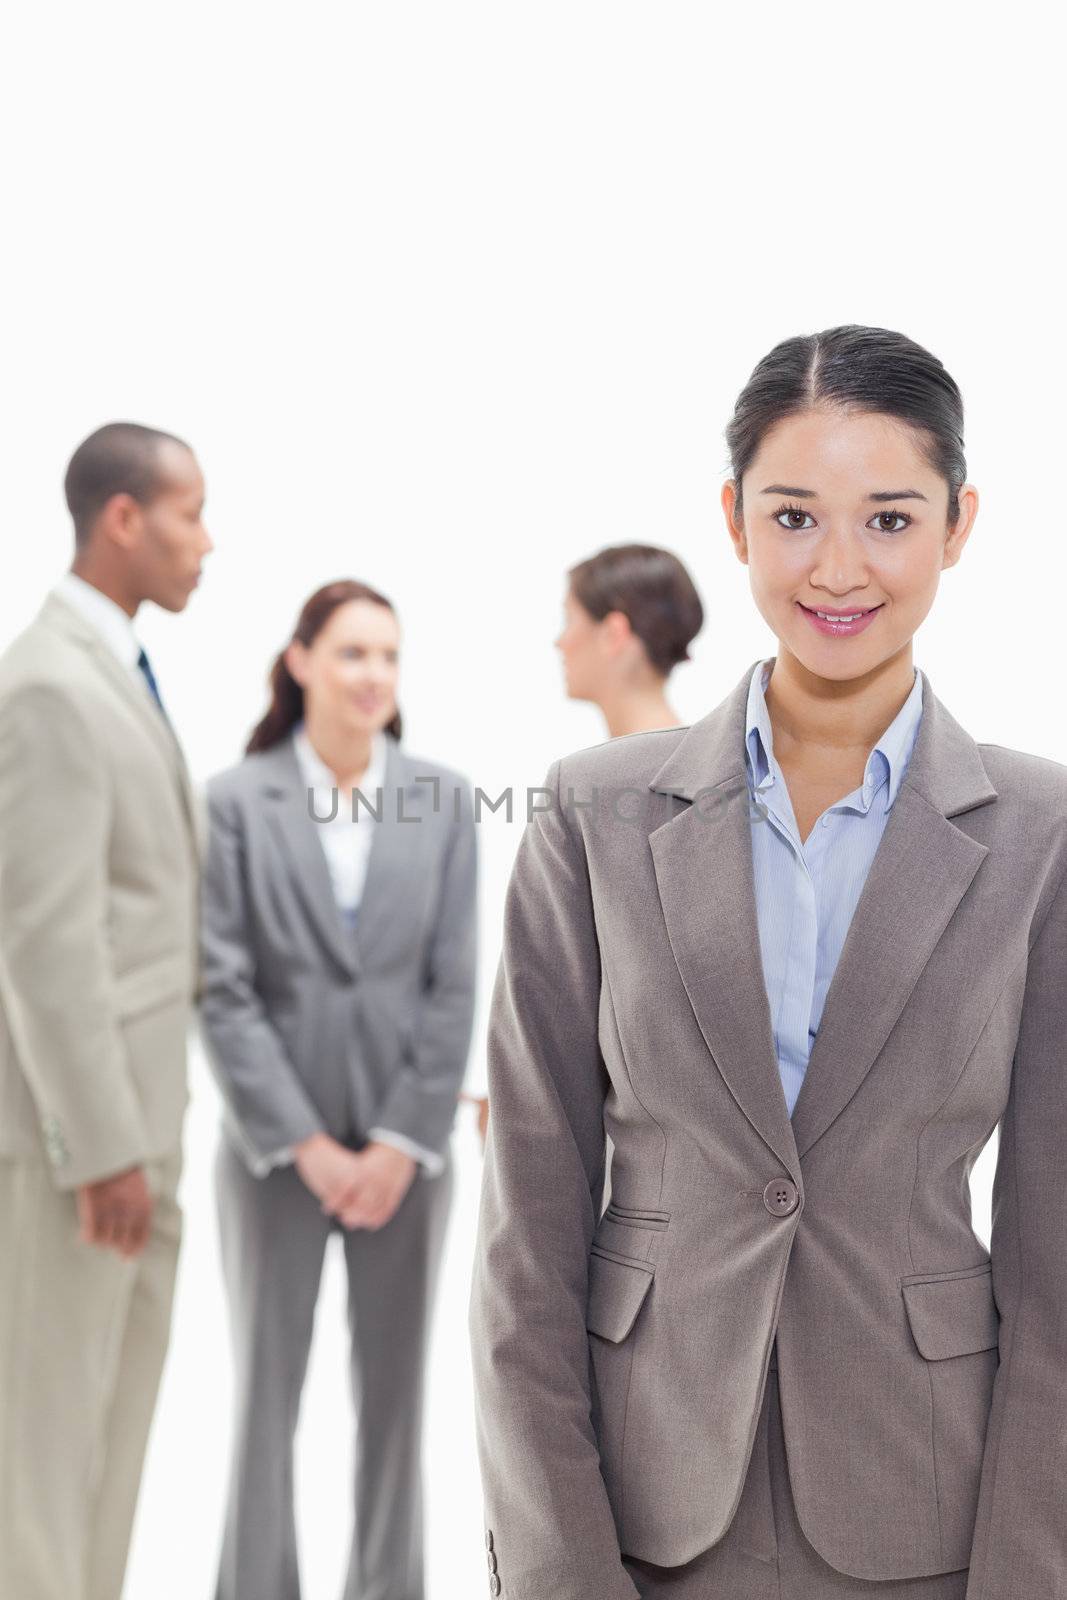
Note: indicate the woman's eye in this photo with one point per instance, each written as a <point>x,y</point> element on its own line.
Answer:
<point>795,519</point>
<point>885,519</point>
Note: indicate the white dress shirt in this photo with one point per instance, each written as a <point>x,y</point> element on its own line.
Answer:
<point>106,616</point>
<point>347,844</point>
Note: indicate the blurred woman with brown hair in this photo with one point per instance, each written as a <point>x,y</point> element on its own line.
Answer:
<point>337,1006</point>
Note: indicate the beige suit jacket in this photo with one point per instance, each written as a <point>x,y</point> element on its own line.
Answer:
<point>100,842</point>
<point>621,1354</point>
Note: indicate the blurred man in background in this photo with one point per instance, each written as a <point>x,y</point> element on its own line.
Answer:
<point>100,845</point>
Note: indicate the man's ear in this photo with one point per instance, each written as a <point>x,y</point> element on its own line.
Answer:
<point>120,521</point>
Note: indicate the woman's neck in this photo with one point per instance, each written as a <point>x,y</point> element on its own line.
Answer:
<point>347,754</point>
<point>821,717</point>
<point>637,710</point>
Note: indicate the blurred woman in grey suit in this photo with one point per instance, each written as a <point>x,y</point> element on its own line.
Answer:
<point>337,1007</point>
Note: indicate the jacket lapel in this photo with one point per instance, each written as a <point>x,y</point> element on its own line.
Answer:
<point>703,862</point>
<point>56,613</point>
<point>396,839</point>
<point>289,813</point>
<point>921,871</point>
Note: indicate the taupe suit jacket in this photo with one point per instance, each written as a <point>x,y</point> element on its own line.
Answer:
<point>620,1357</point>
<point>99,874</point>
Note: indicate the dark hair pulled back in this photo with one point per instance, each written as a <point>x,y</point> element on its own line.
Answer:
<point>652,588</point>
<point>860,369</point>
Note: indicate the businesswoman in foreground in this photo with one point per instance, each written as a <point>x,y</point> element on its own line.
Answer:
<point>780,1362</point>
<point>337,1004</point>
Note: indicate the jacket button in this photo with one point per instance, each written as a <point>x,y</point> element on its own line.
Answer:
<point>781,1196</point>
<point>491,1558</point>
<point>494,1584</point>
<point>488,1538</point>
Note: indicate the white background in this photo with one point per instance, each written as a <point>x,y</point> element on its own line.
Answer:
<point>446,297</point>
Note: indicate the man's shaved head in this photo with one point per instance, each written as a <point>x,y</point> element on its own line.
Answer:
<point>119,458</point>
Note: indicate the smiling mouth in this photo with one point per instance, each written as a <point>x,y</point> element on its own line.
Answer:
<point>839,616</point>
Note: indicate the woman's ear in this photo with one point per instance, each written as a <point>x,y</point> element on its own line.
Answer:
<point>959,533</point>
<point>616,628</point>
<point>294,657</point>
<point>731,506</point>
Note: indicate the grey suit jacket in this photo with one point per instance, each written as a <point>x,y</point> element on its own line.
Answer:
<point>100,838</point>
<point>621,1355</point>
<point>311,1026</point>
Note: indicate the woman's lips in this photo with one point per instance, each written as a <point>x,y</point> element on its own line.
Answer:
<point>840,630</point>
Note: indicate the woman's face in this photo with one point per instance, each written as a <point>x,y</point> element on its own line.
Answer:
<point>599,653</point>
<point>586,647</point>
<point>349,671</point>
<point>843,513</point>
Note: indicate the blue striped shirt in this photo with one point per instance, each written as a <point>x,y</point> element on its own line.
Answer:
<point>806,893</point>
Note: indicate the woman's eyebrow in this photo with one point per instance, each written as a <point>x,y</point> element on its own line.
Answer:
<point>884,494</point>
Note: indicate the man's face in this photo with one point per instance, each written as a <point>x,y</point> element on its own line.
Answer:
<point>172,543</point>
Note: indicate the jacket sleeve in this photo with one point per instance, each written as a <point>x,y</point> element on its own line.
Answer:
<point>56,977</point>
<point>432,1162</point>
<point>549,1523</point>
<point>421,1101</point>
<point>270,1110</point>
<point>1020,1540</point>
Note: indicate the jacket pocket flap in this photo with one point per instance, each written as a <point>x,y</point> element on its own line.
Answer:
<point>140,988</point>
<point>617,1288</point>
<point>952,1314</point>
<point>636,1216</point>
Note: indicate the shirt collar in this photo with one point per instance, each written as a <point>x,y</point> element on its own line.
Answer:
<point>318,774</point>
<point>104,614</point>
<point>889,756</point>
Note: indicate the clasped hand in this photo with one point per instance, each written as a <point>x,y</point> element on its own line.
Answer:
<point>361,1188</point>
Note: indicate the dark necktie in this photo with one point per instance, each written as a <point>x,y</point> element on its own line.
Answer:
<point>149,677</point>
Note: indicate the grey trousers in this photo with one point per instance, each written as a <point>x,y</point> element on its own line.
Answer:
<point>274,1237</point>
<point>764,1555</point>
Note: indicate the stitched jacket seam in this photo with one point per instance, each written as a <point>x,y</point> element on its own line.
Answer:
<point>936,1112</point>
<point>606,983</point>
<point>1009,1365</point>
